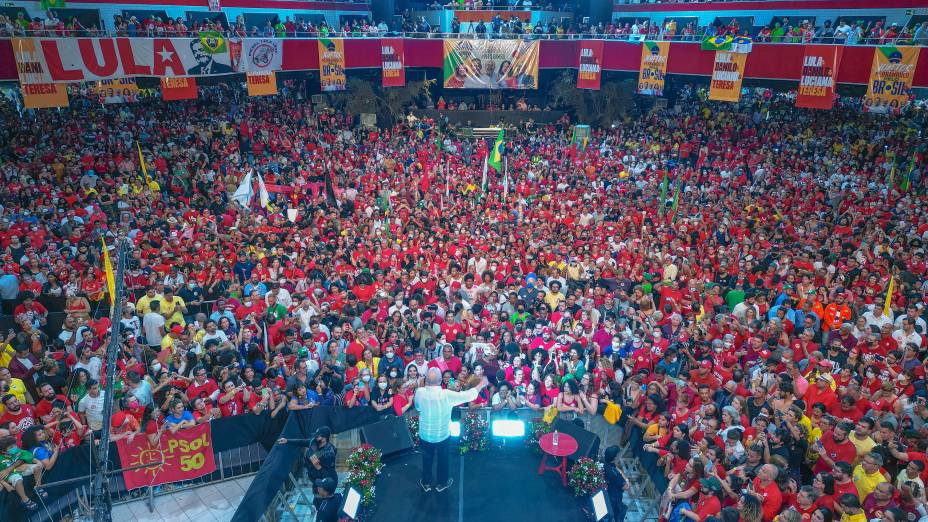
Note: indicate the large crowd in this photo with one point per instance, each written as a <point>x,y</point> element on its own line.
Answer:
<point>719,271</point>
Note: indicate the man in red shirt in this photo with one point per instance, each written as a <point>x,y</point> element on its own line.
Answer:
<point>704,375</point>
<point>710,489</point>
<point>834,447</point>
<point>202,386</point>
<point>21,414</point>
<point>821,392</point>
<point>765,487</point>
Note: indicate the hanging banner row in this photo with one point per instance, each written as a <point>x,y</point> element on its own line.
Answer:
<point>467,64</point>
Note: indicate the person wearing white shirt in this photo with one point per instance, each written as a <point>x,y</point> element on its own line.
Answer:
<point>304,313</point>
<point>912,313</point>
<point>907,334</point>
<point>434,405</point>
<point>91,406</point>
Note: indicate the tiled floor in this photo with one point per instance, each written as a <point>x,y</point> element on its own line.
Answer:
<point>212,503</point>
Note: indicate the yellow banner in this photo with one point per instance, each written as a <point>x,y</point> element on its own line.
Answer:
<point>890,78</point>
<point>122,90</point>
<point>727,74</point>
<point>44,95</point>
<point>262,84</point>
<point>332,64</point>
<point>653,68</point>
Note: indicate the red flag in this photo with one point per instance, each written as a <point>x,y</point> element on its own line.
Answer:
<point>185,455</point>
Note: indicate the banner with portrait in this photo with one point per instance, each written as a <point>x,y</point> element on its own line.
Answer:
<point>491,64</point>
<point>185,455</point>
<point>261,84</point>
<point>63,60</point>
<point>392,62</point>
<point>820,65</point>
<point>653,68</point>
<point>727,75</point>
<point>120,90</point>
<point>332,64</point>
<point>590,65</point>
<point>891,77</point>
<point>256,55</point>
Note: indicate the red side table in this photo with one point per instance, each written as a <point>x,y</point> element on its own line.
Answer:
<point>566,445</point>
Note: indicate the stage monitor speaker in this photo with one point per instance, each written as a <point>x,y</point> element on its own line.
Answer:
<point>587,441</point>
<point>391,435</point>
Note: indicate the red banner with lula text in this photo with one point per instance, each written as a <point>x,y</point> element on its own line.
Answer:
<point>820,65</point>
<point>590,65</point>
<point>185,455</point>
<point>392,62</point>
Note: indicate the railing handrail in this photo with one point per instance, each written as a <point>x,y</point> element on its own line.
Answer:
<point>694,38</point>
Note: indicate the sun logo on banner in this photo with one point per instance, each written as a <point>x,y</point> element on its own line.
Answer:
<point>155,457</point>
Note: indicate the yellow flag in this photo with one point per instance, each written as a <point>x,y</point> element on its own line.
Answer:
<point>142,163</point>
<point>110,277</point>
<point>889,296</point>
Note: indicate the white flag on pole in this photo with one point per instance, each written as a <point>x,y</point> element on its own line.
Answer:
<point>244,192</point>
<point>483,183</point>
<point>263,196</point>
<point>291,214</point>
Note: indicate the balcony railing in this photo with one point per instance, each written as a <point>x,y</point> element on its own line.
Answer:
<point>438,35</point>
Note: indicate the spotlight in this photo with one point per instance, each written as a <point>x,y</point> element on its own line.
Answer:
<point>507,428</point>
<point>455,428</point>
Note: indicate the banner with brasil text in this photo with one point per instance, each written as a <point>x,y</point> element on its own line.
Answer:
<point>392,62</point>
<point>185,455</point>
<point>653,68</point>
<point>491,64</point>
<point>820,65</point>
<point>891,77</point>
<point>590,65</point>
<point>332,65</point>
<point>727,74</point>
<point>62,60</point>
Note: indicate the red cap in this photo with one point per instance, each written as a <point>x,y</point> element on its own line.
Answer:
<point>705,363</point>
<point>177,329</point>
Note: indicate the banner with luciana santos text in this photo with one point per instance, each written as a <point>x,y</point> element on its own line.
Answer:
<point>491,64</point>
<point>63,60</point>
<point>727,74</point>
<point>261,84</point>
<point>890,78</point>
<point>185,455</point>
<point>590,65</point>
<point>653,68</point>
<point>820,65</point>
<point>332,64</point>
<point>173,89</point>
<point>392,62</point>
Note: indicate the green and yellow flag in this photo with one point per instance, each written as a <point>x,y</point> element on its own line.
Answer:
<point>213,42</point>
<point>496,155</point>
<point>52,4</point>
<point>717,43</point>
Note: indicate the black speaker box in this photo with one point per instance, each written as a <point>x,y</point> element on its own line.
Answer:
<point>587,441</point>
<point>391,435</point>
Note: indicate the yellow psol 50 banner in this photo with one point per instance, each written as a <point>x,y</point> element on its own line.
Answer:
<point>653,68</point>
<point>727,74</point>
<point>491,64</point>
<point>890,77</point>
<point>332,64</point>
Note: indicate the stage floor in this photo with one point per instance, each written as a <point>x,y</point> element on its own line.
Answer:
<point>500,484</point>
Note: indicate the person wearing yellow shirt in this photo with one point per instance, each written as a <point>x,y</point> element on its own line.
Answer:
<point>861,439</point>
<point>850,505</point>
<point>173,336</point>
<point>11,385</point>
<point>867,475</point>
<point>6,349</point>
<point>143,305</point>
<point>173,308</point>
<point>554,295</point>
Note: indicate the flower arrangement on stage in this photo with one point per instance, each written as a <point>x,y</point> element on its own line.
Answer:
<point>537,428</point>
<point>412,421</point>
<point>586,477</point>
<point>363,467</point>
<point>475,432</point>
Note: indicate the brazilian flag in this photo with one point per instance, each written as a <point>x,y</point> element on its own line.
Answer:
<point>717,43</point>
<point>52,4</point>
<point>213,42</point>
<point>496,155</point>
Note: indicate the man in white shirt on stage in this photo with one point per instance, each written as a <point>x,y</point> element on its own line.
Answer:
<point>434,405</point>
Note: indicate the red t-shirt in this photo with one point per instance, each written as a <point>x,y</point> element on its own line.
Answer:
<point>844,451</point>
<point>773,498</point>
<point>24,419</point>
<point>204,390</point>
<point>235,406</point>
<point>707,506</point>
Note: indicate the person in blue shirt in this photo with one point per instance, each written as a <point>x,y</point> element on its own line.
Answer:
<point>178,417</point>
<point>303,398</point>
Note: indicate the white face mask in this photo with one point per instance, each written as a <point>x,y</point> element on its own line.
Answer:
<point>156,367</point>
<point>382,385</point>
<point>366,378</point>
<point>390,355</point>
